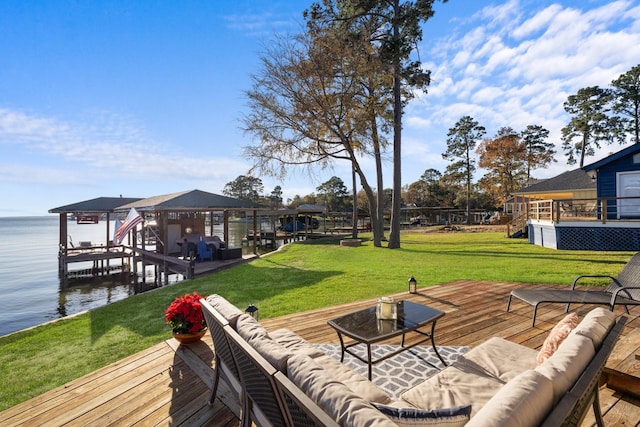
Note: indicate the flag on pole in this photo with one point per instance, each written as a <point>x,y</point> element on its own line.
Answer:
<point>130,222</point>
<point>116,225</point>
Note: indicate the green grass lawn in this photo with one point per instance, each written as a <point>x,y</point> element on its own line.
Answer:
<point>299,277</point>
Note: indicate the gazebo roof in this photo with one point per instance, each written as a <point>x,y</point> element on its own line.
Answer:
<point>311,208</point>
<point>97,205</point>
<point>193,200</point>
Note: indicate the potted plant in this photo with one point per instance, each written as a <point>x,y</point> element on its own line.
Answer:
<point>186,319</point>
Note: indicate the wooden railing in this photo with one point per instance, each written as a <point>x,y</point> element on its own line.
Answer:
<point>601,209</point>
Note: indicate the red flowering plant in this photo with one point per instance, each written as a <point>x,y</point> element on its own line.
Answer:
<point>184,315</point>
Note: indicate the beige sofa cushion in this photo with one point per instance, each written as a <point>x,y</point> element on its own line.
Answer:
<point>596,324</point>
<point>360,385</point>
<point>453,386</point>
<point>346,407</point>
<point>258,338</point>
<point>225,308</point>
<point>499,358</point>
<point>523,401</point>
<point>295,343</point>
<point>567,364</point>
<point>249,328</point>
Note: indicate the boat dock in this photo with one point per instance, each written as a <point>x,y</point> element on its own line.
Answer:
<point>126,259</point>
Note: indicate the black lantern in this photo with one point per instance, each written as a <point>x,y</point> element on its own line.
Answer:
<point>252,311</point>
<point>412,285</point>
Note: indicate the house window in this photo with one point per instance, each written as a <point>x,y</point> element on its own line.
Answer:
<point>636,158</point>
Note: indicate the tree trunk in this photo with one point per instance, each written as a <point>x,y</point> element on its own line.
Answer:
<point>394,234</point>
<point>377,226</point>
<point>583,149</point>
<point>371,199</point>
<point>354,218</point>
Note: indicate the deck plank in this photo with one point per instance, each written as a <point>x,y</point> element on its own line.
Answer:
<point>169,384</point>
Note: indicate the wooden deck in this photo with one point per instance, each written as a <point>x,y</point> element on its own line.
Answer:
<point>169,384</point>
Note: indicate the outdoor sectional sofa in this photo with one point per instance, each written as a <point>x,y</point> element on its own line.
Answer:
<point>498,383</point>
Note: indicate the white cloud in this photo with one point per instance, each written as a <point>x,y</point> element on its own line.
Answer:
<point>20,128</point>
<point>514,66</point>
<point>109,145</point>
<point>537,23</point>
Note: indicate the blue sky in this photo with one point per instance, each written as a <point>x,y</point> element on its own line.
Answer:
<point>140,98</point>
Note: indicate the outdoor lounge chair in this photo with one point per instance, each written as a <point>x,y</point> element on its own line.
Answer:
<point>624,289</point>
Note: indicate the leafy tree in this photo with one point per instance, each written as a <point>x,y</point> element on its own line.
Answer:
<point>276,197</point>
<point>590,124</point>
<point>505,158</point>
<point>317,99</point>
<point>427,191</point>
<point>437,190</point>
<point>245,188</point>
<point>454,179</point>
<point>397,31</point>
<point>361,202</point>
<point>538,152</point>
<point>626,103</point>
<point>295,201</point>
<point>334,194</point>
<point>417,193</point>
<point>461,142</point>
<point>431,176</point>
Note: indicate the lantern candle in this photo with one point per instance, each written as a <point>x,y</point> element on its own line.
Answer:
<point>386,309</point>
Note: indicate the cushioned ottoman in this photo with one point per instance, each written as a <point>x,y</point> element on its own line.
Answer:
<point>230,253</point>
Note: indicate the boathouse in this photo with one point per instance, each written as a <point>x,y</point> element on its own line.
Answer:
<point>596,207</point>
<point>189,212</point>
<point>166,219</point>
<point>89,211</point>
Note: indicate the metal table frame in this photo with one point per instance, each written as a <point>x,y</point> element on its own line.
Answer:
<point>363,327</point>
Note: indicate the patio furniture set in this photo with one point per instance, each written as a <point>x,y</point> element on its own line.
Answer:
<point>281,379</point>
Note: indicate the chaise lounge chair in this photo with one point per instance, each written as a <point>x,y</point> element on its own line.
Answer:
<point>624,289</point>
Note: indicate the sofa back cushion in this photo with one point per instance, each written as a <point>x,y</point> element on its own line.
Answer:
<point>595,325</point>
<point>346,407</point>
<point>257,337</point>
<point>225,308</point>
<point>523,401</point>
<point>566,365</point>
<point>294,343</point>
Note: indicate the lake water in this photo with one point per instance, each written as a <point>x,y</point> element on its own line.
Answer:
<point>30,289</point>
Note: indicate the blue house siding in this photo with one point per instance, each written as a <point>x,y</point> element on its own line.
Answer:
<point>627,160</point>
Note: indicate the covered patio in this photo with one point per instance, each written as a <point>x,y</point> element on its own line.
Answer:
<point>169,384</point>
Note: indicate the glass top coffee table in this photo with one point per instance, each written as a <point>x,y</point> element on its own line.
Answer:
<point>363,327</point>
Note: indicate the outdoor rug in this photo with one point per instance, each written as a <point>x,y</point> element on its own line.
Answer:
<point>399,372</point>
